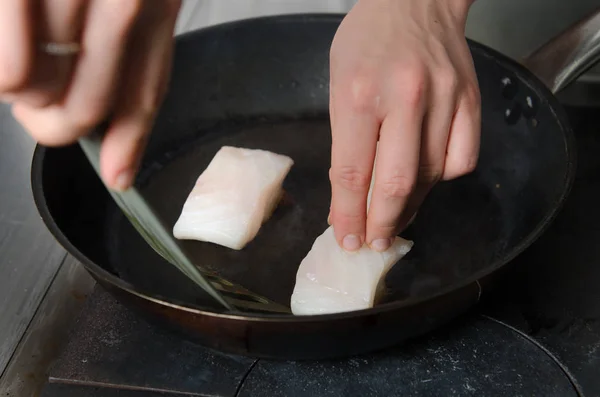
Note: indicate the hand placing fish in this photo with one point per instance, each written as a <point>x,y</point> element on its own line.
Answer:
<point>401,74</point>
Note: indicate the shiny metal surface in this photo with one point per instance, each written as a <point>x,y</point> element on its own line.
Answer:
<point>568,55</point>
<point>516,28</point>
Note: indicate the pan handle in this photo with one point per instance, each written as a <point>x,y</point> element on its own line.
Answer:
<point>568,55</point>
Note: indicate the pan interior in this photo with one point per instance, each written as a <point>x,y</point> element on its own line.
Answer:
<point>266,86</point>
<point>461,220</point>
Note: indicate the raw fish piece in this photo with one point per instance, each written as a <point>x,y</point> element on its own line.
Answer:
<point>332,280</point>
<point>233,197</point>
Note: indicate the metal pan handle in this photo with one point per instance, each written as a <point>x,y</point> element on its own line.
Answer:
<point>568,55</point>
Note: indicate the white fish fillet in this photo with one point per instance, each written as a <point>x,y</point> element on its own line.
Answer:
<point>233,197</point>
<point>332,280</point>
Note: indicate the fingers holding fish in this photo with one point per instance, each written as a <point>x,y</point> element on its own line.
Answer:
<point>397,158</point>
<point>355,128</point>
<point>419,91</point>
<point>442,93</point>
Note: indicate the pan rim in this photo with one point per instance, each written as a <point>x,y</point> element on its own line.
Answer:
<point>524,74</point>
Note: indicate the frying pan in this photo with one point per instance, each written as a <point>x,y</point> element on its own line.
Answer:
<point>263,83</point>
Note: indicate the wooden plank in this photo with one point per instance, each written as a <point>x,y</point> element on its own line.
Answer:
<point>26,373</point>
<point>29,255</point>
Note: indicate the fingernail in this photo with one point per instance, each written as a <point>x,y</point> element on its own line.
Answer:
<point>124,180</point>
<point>329,219</point>
<point>351,242</point>
<point>381,244</point>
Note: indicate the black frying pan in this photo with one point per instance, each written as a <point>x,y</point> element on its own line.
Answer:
<point>263,83</point>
